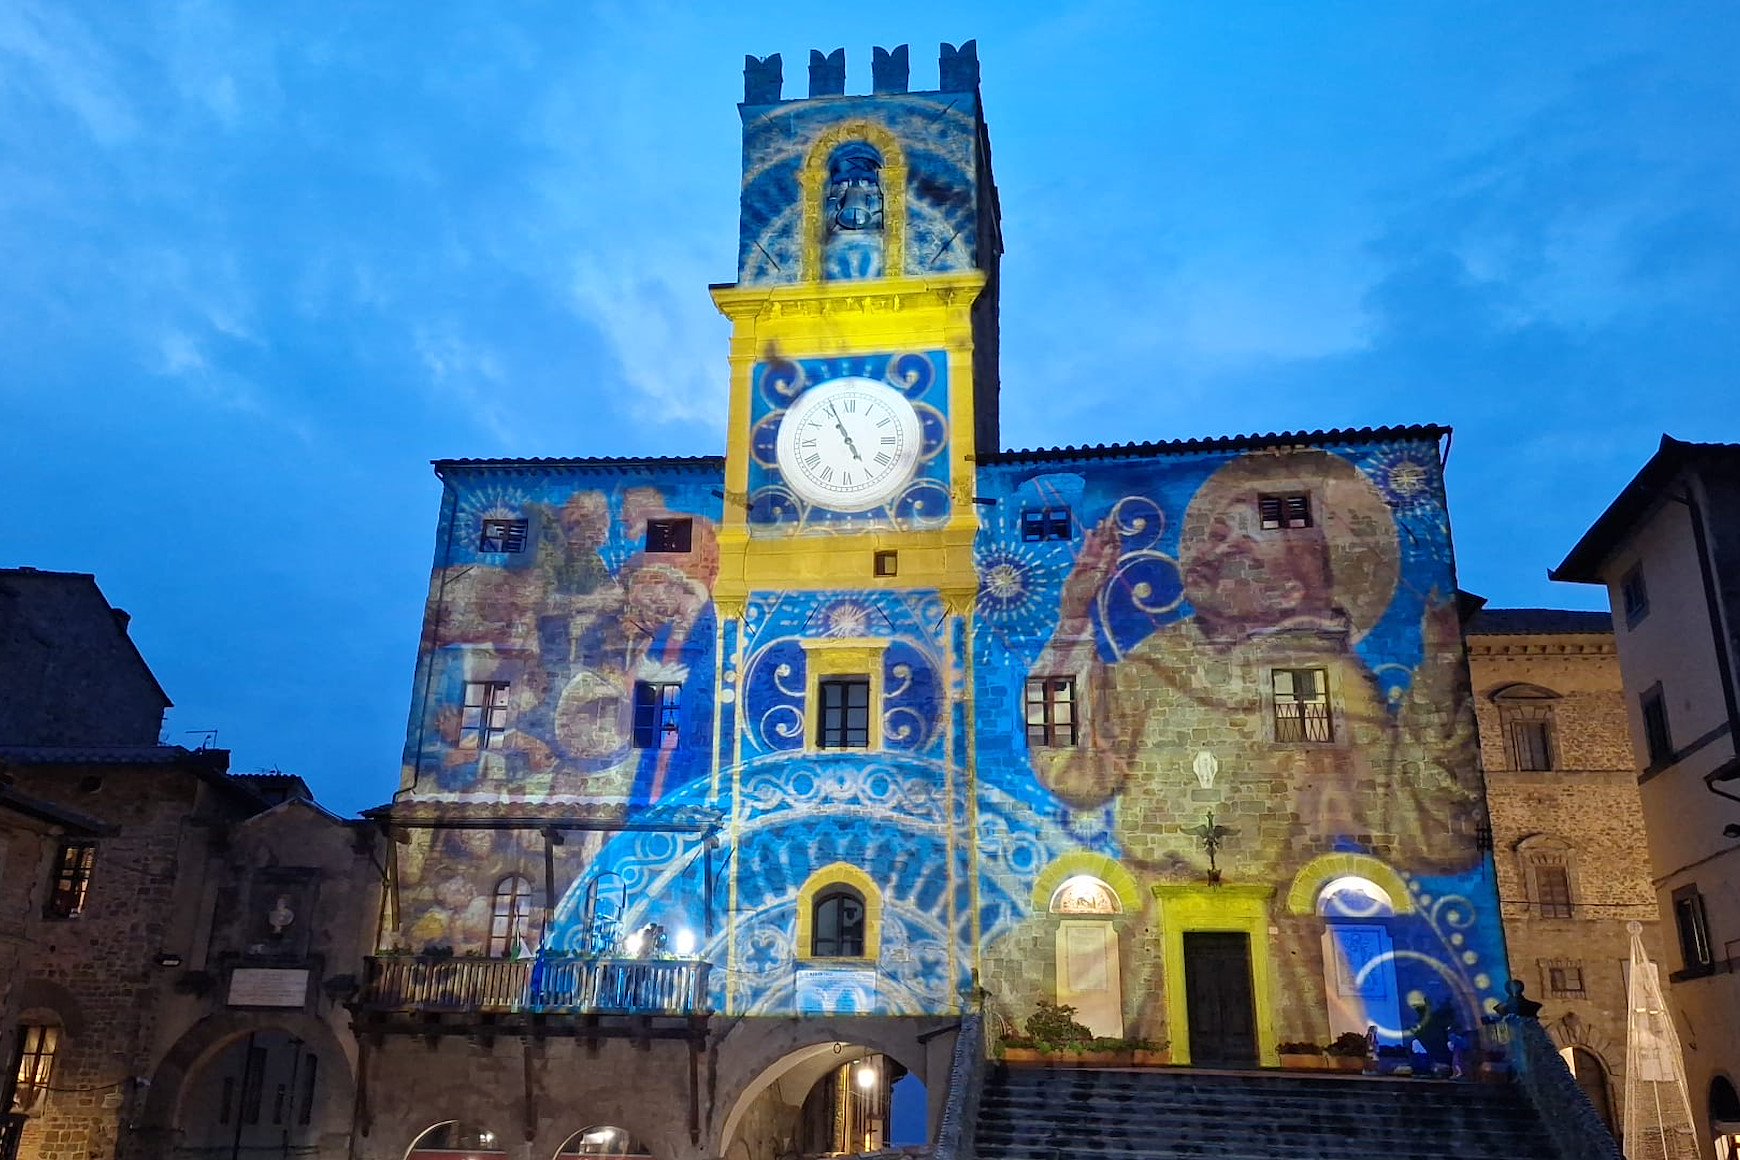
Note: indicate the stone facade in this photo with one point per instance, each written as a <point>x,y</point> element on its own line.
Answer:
<point>143,882</point>
<point>1581,813</point>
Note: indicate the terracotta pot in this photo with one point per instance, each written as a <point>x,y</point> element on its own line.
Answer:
<point>1316,1061</point>
<point>1023,1055</point>
<point>1092,1058</point>
<point>1143,1057</point>
<point>1353,1063</point>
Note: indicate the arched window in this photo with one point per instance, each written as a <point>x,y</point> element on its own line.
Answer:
<point>455,1140</point>
<point>510,921</point>
<point>837,925</point>
<point>1547,869</point>
<point>38,1040</point>
<point>1351,896</point>
<point>1525,713</point>
<point>603,1140</point>
<point>1084,894</point>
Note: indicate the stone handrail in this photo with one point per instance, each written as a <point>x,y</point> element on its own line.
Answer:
<point>954,1136</point>
<point>1571,1120</point>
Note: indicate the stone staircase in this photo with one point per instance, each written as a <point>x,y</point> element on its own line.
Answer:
<point>1043,1113</point>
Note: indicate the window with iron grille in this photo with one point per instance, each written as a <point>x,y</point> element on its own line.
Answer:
<point>483,720</point>
<point>502,536</point>
<point>1284,511</point>
<point>1634,596</point>
<point>37,1043</point>
<point>656,714</point>
<point>672,535</point>
<point>1302,705</point>
<point>72,879</point>
<point>1050,523</point>
<point>510,921</point>
<point>837,929</point>
<point>1565,980</point>
<point>1051,717</point>
<point>1552,890</point>
<point>844,720</point>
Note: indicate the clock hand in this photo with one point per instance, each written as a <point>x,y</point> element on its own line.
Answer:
<point>850,446</point>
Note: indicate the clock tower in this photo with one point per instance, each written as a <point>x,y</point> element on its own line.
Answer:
<point>864,332</point>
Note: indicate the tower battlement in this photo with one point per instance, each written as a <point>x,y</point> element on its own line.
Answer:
<point>890,72</point>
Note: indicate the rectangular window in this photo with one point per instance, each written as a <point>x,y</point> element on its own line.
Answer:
<point>36,1048</point>
<point>1302,705</point>
<point>655,714</point>
<point>484,718</point>
<point>1565,981</point>
<point>72,879</point>
<point>1655,726</point>
<point>1050,523</point>
<point>1633,596</point>
<point>1051,718</point>
<point>1553,891</point>
<point>253,1084</point>
<point>311,1064</point>
<point>1693,930</point>
<point>887,563</point>
<point>845,713</point>
<point>1531,748</point>
<point>669,535</point>
<point>1284,511</point>
<point>502,536</point>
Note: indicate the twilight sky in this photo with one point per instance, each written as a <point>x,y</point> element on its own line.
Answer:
<point>264,261</point>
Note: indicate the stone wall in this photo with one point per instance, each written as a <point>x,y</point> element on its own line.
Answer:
<point>1587,806</point>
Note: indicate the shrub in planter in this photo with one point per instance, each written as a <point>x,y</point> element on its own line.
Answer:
<point>1052,1026</point>
<point>1301,1056</point>
<point>1349,1051</point>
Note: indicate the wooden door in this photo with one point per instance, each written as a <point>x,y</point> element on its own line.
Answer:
<point>1219,1001</point>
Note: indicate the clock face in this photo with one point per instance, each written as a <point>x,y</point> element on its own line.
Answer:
<point>848,444</point>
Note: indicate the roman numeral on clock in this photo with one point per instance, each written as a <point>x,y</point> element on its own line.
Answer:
<point>883,459</point>
<point>825,474</point>
<point>812,459</point>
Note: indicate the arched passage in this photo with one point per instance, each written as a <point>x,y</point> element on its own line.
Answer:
<point>863,1089</point>
<point>257,1055</point>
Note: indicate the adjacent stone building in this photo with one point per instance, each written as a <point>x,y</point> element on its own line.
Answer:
<point>1667,549</point>
<point>1567,827</point>
<point>179,940</point>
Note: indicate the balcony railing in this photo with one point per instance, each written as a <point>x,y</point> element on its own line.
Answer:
<point>549,983</point>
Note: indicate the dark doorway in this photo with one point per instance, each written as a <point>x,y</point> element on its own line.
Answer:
<point>1220,1006</point>
<point>1592,1078</point>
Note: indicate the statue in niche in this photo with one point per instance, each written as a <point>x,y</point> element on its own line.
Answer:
<point>853,213</point>
<point>280,916</point>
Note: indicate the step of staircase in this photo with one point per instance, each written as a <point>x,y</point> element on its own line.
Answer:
<point>1045,1113</point>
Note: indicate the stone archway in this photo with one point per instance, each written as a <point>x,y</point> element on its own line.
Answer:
<point>257,1054</point>
<point>765,1118</point>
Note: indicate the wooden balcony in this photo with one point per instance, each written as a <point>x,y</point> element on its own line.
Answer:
<point>549,984</point>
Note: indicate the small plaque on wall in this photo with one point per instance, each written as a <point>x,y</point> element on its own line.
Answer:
<point>266,987</point>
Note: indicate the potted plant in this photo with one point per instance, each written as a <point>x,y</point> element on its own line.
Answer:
<point>1349,1052</point>
<point>1052,1035</point>
<point>1149,1053</point>
<point>1297,1055</point>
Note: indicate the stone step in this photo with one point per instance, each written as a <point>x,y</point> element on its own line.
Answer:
<point>1044,1113</point>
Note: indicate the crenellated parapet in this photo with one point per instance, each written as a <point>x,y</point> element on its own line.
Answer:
<point>890,72</point>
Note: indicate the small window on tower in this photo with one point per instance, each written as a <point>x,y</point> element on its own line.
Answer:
<point>502,536</point>
<point>669,535</point>
<point>1050,523</point>
<point>656,714</point>
<point>887,563</point>
<point>844,721</point>
<point>1051,717</point>
<point>483,718</point>
<point>1284,511</point>
<point>1656,737</point>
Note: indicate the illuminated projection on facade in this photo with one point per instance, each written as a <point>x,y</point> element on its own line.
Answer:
<point>873,717</point>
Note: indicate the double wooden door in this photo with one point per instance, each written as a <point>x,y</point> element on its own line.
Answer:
<point>1220,1004</point>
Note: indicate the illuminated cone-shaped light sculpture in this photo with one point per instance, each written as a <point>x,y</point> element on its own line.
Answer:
<point>1658,1109</point>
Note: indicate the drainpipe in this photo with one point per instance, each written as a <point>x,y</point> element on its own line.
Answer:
<point>1724,664</point>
